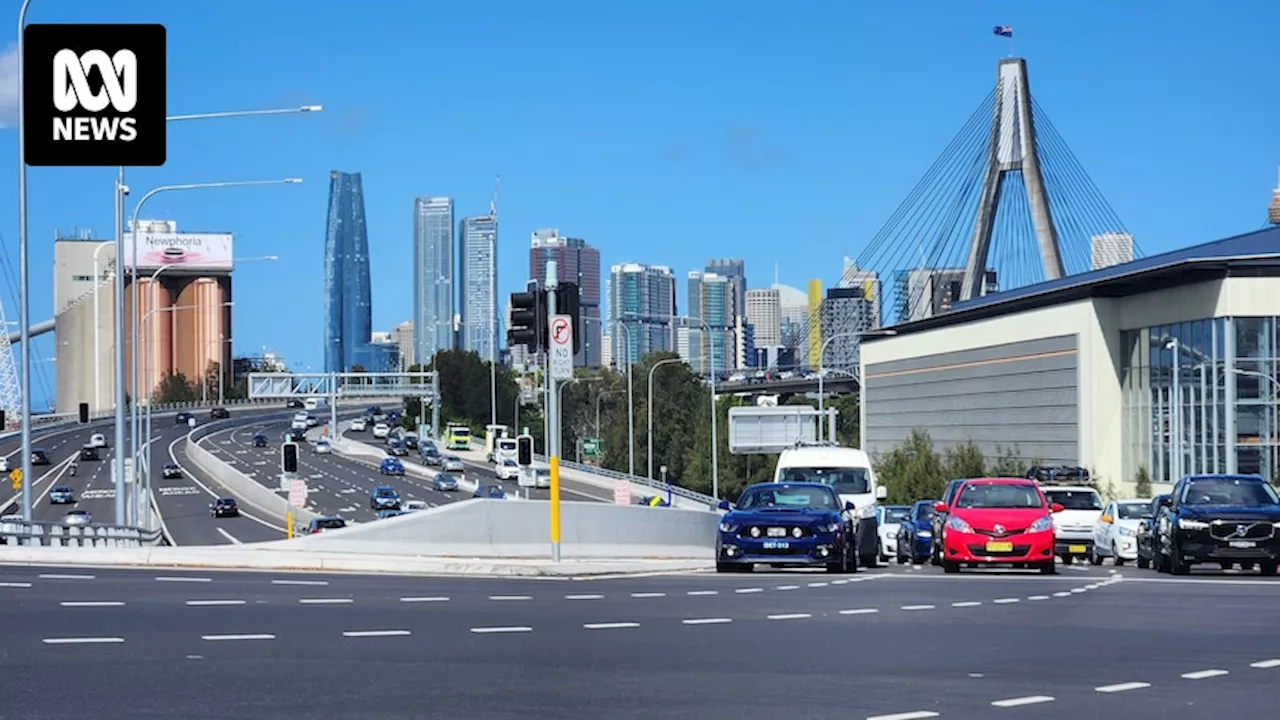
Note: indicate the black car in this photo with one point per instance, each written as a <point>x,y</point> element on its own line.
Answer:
<point>298,434</point>
<point>171,470</point>
<point>294,403</point>
<point>183,418</point>
<point>396,447</point>
<point>259,440</point>
<point>88,452</point>
<point>219,413</point>
<point>948,495</point>
<point>224,507</point>
<point>325,524</point>
<point>1220,519</point>
<point>39,457</point>
<point>489,492</point>
<point>1145,535</point>
<point>411,442</point>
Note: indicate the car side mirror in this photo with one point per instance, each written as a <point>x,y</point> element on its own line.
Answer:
<point>724,505</point>
<point>882,492</point>
<point>941,507</point>
<point>1166,502</point>
<point>850,506</point>
<point>1107,519</point>
<point>1056,508</point>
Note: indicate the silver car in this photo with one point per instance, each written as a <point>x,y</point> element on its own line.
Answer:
<point>452,463</point>
<point>77,517</point>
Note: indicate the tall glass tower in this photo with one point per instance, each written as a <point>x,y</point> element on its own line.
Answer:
<point>433,286</point>
<point>478,281</point>
<point>348,309</point>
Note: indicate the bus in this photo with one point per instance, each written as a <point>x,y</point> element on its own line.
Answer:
<point>505,449</point>
<point>458,437</point>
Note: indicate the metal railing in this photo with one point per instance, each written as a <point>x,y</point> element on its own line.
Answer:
<point>15,531</point>
<point>657,485</point>
<point>60,419</point>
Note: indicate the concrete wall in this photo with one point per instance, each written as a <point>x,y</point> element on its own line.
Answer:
<point>500,528</point>
<point>245,489</point>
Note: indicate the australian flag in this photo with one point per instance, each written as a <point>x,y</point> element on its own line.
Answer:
<point>1004,30</point>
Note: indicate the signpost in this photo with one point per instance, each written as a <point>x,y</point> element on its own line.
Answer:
<point>560,356</point>
<point>591,447</point>
<point>297,499</point>
<point>621,492</point>
<point>15,478</point>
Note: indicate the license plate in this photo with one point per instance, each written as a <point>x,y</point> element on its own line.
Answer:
<point>777,532</point>
<point>1077,549</point>
<point>776,544</point>
<point>1243,544</point>
<point>999,547</point>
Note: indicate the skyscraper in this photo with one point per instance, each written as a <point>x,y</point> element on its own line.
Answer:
<point>642,300</point>
<point>402,334</point>
<point>868,281</point>
<point>846,312</point>
<point>478,281</point>
<point>735,270</point>
<point>348,308</point>
<point>576,262</point>
<point>433,290</point>
<point>712,300</point>
<point>764,314</point>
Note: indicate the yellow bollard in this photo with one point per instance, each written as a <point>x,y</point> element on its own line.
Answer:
<point>555,507</point>
<point>288,524</point>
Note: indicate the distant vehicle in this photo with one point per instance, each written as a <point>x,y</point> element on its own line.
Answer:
<point>785,524</point>
<point>259,440</point>
<point>444,482</point>
<point>505,449</point>
<point>391,466</point>
<point>653,501</point>
<point>411,441</point>
<point>915,534</point>
<point>312,421</point>
<point>507,470</point>
<point>88,452</point>
<point>374,410</point>
<point>998,521</point>
<point>413,505</point>
<point>183,418</point>
<point>940,518</point>
<point>313,404</point>
<point>4,464</point>
<point>381,430</point>
<point>397,448</point>
<point>39,457</point>
<point>224,507</point>
<point>452,463</point>
<point>325,524</point>
<point>390,513</point>
<point>219,413</point>
<point>358,425</point>
<point>384,497</point>
<point>848,471</point>
<point>1073,527</point>
<point>1115,535</point>
<point>889,518</point>
<point>458,437</point>
<point>490,492</point>
<point>542,477</point>
<point>298,434</point>
<point>1223,519</point>
<point>77,517</point>
<point>430,455</point>
<point>1146,532</point>
<point>62,495</point>
<point>98,440</point>
<point>293,403</point>
<point>172,470</point>
<point>322,447</point>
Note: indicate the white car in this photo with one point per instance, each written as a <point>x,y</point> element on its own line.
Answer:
<point>415,505</point>
<point>358,425</point>
<point>322,447</point>
<point>4,464</point>
<point>1073,527</point>
<point>1115,535</point>
<point>381,430</point>
<point>507,470</point>
<point>890,519</point>
<point>97,440</point>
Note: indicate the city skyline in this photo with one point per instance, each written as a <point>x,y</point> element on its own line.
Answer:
<point>433,276</point>
<point>477,281</point>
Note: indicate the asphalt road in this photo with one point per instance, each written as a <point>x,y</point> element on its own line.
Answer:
<point>902,644</point>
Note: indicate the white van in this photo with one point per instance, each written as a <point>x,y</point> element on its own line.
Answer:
<point>506,449</point>
<point>849,472</point>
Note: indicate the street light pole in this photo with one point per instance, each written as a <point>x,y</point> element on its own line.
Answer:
<point>822,371</point>
<point>24,300</point>
<point>1175,414</point>
<point>649,427</point>
<point>97,322</point>
<point>150,384</point>
<point>600,397</point>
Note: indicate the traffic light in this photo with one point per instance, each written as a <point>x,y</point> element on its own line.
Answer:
<point>528,326</point>
<point>84,413</point>
<point>567,298</point>
<point>2,426</point>
<point>289,457</point>
<point>524,450</point>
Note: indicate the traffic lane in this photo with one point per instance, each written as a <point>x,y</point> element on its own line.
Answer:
<point>49,438</point>
<point>92,487</point>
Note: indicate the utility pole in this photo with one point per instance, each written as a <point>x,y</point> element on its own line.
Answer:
<point>493,307</point>
<point>552,440</point>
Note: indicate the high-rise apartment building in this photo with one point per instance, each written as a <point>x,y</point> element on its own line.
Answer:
<point>384,353</point>
<point>846,312</point>
<point>793,307</point>
<point>402,336</point>
<point>478,284</point>
<point>348,305</point>
<point>764,314</point>
<point>576,262</point>
<point>868,281</point>
<point>642,308</point>
<point>433,269</point>
<point>1110,249</point>
<point>921,293</point>
<point>735,271</point>
<point>712,341</point>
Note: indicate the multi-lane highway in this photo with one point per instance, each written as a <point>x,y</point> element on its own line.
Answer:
<point>898,644</point>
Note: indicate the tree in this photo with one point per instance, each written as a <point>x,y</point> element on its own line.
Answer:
<point>465,395</point>
<point>965,461</point>
<point>175,388</point>
<point>913,470</point>
<point>1143,482</point>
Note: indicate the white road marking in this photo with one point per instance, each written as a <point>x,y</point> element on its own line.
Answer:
<point>818,584</point>
<point>1122,687</point>
<point>230,538</point>
<point>511,629</point>
<point>300,582</point>
<point>787,587</point>
<point>91,603</point>
<point>505,598</point>
<point>1037,597</point>
<point>744,591</point>
<point>611,625</point>
<point>1004,601</point>
<point>254,636</point>
<point>376,633</point>
<point>1020,701</point>
<point>423,599</point>
<point>182,578</point>
<point>966,603</point>
<point>583,597</point>
<point>15,584</point>
<point>707,621</point>
<point>648,595</point>
<point>213,603</point>
<point>790,616</point>
<point>1265,664</point>
<point>1203,674</point>
<point>1062,594</point>
<point>1078,590</point>
<point>918,607</point>
<point>916,715</point>
<point>703,592</point>
<point>54,576</point>
<point>860,611</point>
<point>325,601</point>
<point>82,640</point>
<point>1093,586</point>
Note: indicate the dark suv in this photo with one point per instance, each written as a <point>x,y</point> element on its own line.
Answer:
<point>219,413</point>
<point>948,495</point>
<point>1218,519</point>
<point>1146,532</point>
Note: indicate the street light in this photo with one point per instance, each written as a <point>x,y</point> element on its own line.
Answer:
<point>24,299</point>
<point>600,396</point>
<point>649,427</point>
<point>560,406</point>
<point>631,411</point>
<point>822,371</point>
<point>1175,415</point>
<point>715,438</point>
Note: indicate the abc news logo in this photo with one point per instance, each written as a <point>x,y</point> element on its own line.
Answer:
<point>94,95</point>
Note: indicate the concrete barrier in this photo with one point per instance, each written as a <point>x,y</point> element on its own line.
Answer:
<point>372,455</point>
<point>246,489</point>
<point>497,528</point>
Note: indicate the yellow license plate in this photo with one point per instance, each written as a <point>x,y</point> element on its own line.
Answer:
<point>1077,549</point>
<point>999,547</point>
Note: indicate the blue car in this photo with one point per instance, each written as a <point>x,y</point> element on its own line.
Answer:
<point>384,497</point>
<point>787,525</point>
<point>444,482</point>
<point>389,513</point>
<point>915,534</point>
<point>61,495</point>
<point>391,466</point>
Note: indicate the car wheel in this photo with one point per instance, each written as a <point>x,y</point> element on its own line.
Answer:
<point>1268,568</point>
<point>1049,568</point>
<point>1225,565</point>
<point>950,567</point>
<point>1177,565</point>
<point>1115,556</point>
<point>1143,563</point>
<point>901,556</point>
<point>1094,557</point>
<point>1067,559</point>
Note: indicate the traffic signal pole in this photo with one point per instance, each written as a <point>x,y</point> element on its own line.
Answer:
<point>552,440</point>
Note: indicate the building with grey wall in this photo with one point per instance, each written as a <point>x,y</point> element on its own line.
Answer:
<point>845,314</point>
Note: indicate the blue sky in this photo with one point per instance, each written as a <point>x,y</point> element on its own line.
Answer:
<point>662,132</point>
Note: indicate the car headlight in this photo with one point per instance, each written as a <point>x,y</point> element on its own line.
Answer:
<point>755,532</point>
<point>1128,531</point>
<point>925,533</point>
<point>1043,524</point>
<point>958,524</point>
<point>728,527</point>
<point>1185,524</point>
<point>830,527</point>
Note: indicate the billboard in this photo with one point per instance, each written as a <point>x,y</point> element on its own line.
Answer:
<point>195,252</point>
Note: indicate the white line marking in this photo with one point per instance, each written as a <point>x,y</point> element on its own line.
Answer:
<point>15,584</point>
<point>505,598</point>
<point>918,607</point>
<point>1122,687</point>
<point>91,603</point>
<point>583,597</point>
<point>648,595</point>
<point>1020,701</point>
<point>916,715</point>
<point>325,601</point>
<point>703,592</point>
<point>1004,601</point>
<point>611,625</point>
<point>1203,674</point>
<point>818,584</point>
<point>376,633</point>
<point>860,611</point>
<point>1062,594</point>
<point>512,629</point>
<point>839,582</point>
<point>231,538</point>
<point>256,636</point>
<point>180,578</point>
<point>791,616</point>
<point>1078,590</point>
<point>213,603</point>
<point>82,641</point>
<point>787,587</point>
<point>744,591</point>
<point>966,603</point>
<point>1265,664</point>
<point>423,599</point>
<point>300,582</point>
<point>1037,597</point>
<point>54,576</point>
<point>707,621</point>
<point>1093,586</point>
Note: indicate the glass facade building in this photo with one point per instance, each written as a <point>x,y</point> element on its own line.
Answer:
<point>348,309</point>
<point>433,286</point>
<point>642,306</point>
<point>478,281</point>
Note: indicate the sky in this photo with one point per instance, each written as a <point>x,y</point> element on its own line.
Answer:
<point>662,132</point>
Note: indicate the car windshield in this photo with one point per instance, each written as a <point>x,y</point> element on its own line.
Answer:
<point>62,489</point>
<point>1228,491</point>
<point>445,477</point>
<point>998,495</point>
<point>1075,499</point>
<point>385,492</point>
<point>1131,511</point>
<point>924,512</point>
<point>783,496</point>
<point>846,481</point>
<point>895,514</point>
<point>331,523</point>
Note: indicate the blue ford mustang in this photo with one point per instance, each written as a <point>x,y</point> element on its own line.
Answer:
<point>787,524</point>
<point>915,533</point>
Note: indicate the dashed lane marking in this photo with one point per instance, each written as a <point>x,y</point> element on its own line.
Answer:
<point>15,584</point>
<point>82,641</point>
<point>818,584</point>
<point>496,630</point>
<point>91,603</point>
<point>1037,597</point>
<point>1203,674</point>
<point>583,597</point>
<point>424,599</point>
<point>214,603</point>
<point>375,633</point>
<point>300,582</point>
<point>325,601</point>
<point>791,616</point>
<point>1020,701</point>
<point>703,592</point>
<point>648,595</point>
<point>860,611</point>
<point>1265,664</point>
<point>1062,594</point>
<point>1122,687</point>
<point>966,603</point>
<point>250,636</point>
<point>1005,601</point>
<point>914,715</point>
<point>56,576</point>
<point>611,625</point>
<point>787,587</point>
<point>744,591</point>
<point>181,578</point>
<point>1077,591</point>
<point>509,598</point>
<point>918,607</point>
<point>707,621</point>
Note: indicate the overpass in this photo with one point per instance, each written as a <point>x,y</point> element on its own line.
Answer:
<point>834,384</point>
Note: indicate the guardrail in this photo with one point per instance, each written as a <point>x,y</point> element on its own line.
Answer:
<point>12,428</point>
<point>52,534</point>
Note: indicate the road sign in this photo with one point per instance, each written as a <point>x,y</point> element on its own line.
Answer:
<point>298,493</point>
<point>528,477</point>
<point>560,340</point>
<point>591,446</point>
<point>15,477</point>
<point>621,492</point>
<point>128,470</point>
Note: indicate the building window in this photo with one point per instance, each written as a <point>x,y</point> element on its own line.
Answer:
<point>82,278</point>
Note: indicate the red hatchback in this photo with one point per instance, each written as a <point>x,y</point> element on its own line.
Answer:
<point>998,521</point>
